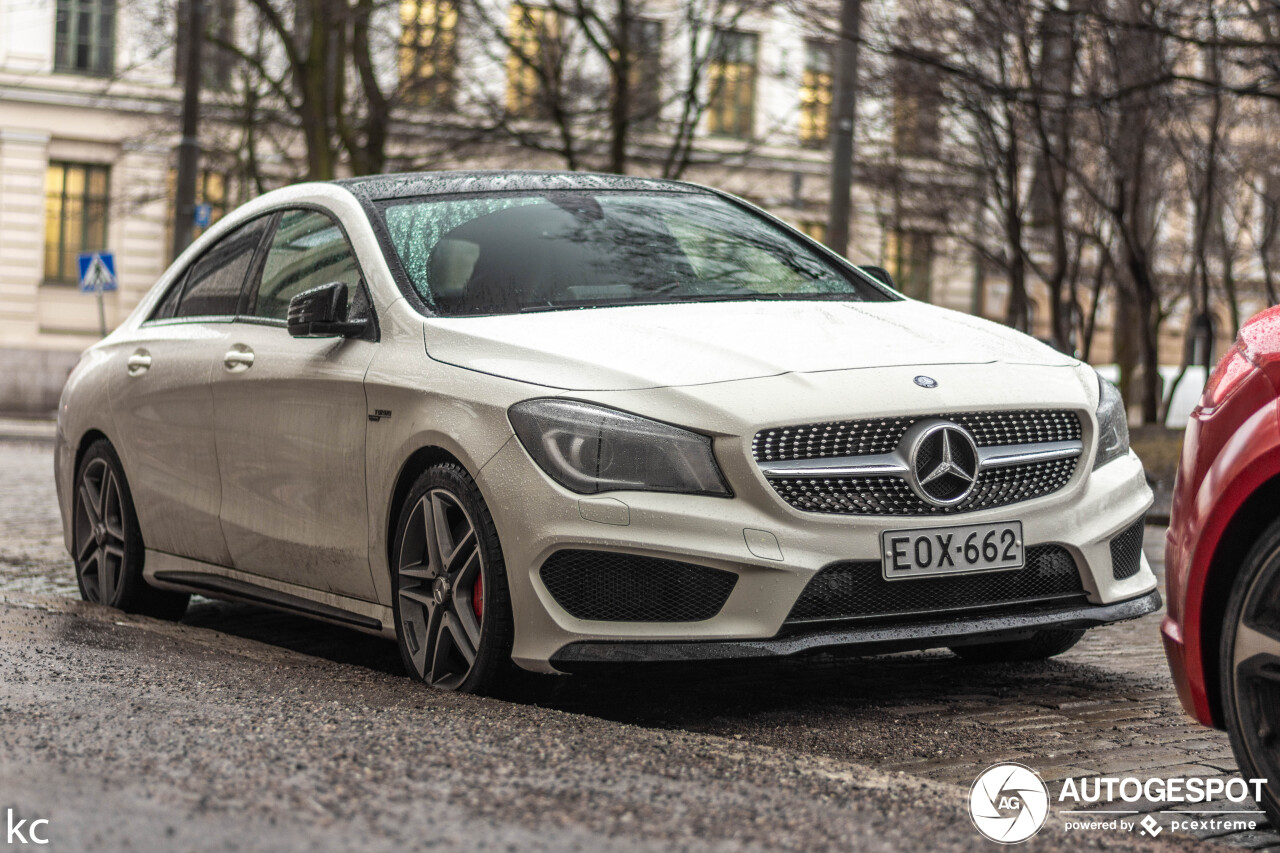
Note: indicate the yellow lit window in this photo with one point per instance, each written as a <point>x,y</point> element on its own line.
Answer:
<point>815,229</point>
<point>732,84</point>
<point>815,94</point>
<point>211,189</point>
<point>75,217</point>
<point>533,63</point>
<point>428,51</point>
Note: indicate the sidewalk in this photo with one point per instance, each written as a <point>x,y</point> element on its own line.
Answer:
<point>27,429</point>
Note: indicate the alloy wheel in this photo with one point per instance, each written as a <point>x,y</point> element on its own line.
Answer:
<point>100,538</point>
<point>441,576</point>
<point>1256,669</point>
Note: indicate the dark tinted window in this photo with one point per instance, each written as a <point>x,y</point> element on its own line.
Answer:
<point>213,284</point>
<point>307,250</point>
<point>506,254</point>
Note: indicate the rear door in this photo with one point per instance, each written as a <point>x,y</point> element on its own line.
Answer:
<point>290,419</point>
<point>162,402</point>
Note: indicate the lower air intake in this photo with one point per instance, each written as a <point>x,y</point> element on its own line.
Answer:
<point>606,587</point>
<point>1126,551</point>
<point>858,590</point>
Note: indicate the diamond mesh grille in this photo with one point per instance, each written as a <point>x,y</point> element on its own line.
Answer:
<point>857,590</point>
<point>608,587</point>
<point>1126,551</point>
<point>882,435</point>
<point>892,495</point>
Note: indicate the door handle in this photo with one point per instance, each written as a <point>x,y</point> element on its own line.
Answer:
<point>138,363</point>
<point>238,359</point>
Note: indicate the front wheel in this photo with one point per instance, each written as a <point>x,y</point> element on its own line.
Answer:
<point>107,542</point>
<point>452,608</point>
<point>1039,646</point>
<point>1250,666</point>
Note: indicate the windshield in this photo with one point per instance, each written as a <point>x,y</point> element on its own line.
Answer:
<point>561,250</point>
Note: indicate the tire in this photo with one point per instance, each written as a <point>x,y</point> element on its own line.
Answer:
<point>107,545</point>
<point>1249,663</point>
<point>451,601</point>
<point>1039,646</point>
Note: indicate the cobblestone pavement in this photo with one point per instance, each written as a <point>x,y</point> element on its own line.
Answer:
<point>1106,708</point>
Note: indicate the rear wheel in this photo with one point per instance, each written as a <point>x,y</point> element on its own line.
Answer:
<point>107,542</point>
<point>1039,646</point>
<point>452,609</point>
<point>1250,666</point>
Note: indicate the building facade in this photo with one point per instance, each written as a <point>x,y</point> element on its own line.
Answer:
<point>89,103</point>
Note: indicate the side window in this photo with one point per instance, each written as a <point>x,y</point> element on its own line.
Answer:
<point>307,250</point>
<point>211,287</point>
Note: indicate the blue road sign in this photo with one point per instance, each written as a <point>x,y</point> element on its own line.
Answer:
<point>204,215</point>
<point>97,272</point>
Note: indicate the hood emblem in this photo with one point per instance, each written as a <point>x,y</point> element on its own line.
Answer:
<point>943,463</point>
<point>926,382</point>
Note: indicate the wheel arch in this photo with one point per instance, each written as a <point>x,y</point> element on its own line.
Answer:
<point>1254,515</point>
<point>417,462</point>
<point>91,436</point>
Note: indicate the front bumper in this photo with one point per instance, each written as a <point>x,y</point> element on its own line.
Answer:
<point>773,570</point>
<point>881,639</point>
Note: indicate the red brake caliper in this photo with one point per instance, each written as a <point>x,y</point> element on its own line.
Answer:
<point>477,597</point>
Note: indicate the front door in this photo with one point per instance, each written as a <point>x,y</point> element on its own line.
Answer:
<point>291,416</point>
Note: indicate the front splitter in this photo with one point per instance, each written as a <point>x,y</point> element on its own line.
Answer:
<point>871,639</point>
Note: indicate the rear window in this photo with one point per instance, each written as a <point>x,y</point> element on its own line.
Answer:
<point>562,250</point>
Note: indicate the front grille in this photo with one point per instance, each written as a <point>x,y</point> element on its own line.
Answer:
<point>858,590</point>
<point>607,587</point>
<point>882,435</point>
<point>1126,551</point>
<point>892,495</point>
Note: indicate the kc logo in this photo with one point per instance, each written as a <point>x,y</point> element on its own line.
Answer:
<point>14,833</point>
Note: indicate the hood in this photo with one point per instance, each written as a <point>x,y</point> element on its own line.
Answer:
<point>655,346</point>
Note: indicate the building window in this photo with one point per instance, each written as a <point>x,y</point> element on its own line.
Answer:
<point>428,51</point>
<point>815,229</point>
<point>211,189</point>
<point>645,72</point>
<point>816,89</point>
<point>533,65</point>
<point>216,63</point>
<point>910,260</point>
<point>732,81</point>
<point>85,37</point>
<point>75,217</point>
<point>917,104</point>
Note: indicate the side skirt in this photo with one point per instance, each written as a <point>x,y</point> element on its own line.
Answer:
<point>167,571</point>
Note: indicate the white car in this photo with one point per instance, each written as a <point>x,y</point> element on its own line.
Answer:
<point>562,420</point>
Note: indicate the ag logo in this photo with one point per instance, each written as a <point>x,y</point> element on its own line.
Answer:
<point>1008,803</point>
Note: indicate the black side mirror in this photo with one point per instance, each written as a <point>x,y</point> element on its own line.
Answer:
<point>880,274</point>
<point>321,312</point>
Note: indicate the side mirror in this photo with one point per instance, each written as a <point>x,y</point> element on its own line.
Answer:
<point>880,274</point>
<point>321,312</point>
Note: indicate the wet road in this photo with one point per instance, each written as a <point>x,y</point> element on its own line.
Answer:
<point>312,732</point>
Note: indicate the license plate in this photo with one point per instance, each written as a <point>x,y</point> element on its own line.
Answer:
<point>951,550</point>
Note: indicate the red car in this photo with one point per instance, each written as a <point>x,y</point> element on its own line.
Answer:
<point>1222,632</point>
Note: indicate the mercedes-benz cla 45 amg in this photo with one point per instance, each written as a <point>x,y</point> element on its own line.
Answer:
<point>560,420</point>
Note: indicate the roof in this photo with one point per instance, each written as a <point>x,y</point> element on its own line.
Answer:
<point>413,184</point>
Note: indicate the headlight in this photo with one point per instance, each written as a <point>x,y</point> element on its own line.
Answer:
<point>591,449</point>
<point>1113,424</point>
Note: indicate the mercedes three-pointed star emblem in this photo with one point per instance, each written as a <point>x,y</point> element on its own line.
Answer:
<point>943,462</point>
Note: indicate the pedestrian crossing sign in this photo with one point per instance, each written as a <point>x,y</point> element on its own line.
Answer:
<point>97,272</point>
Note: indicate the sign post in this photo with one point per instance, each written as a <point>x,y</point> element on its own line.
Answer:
<point>98,275</point>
